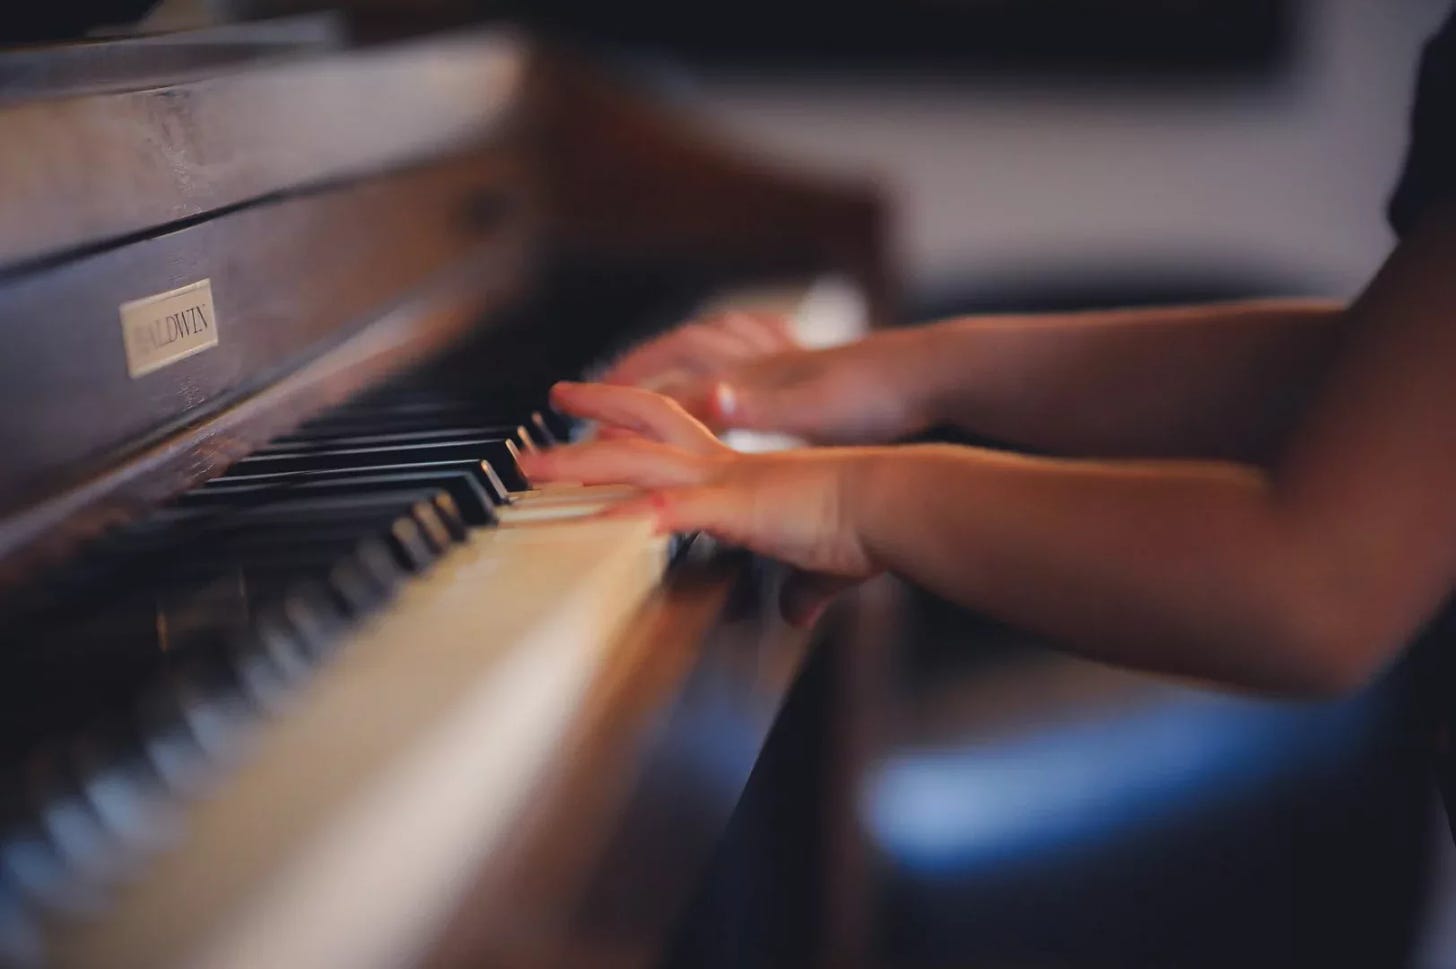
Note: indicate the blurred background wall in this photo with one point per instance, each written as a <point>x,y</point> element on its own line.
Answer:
<point>1279,178</point>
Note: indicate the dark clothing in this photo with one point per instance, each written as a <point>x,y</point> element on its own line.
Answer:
<point>1430,171</point>
<point>1430,179</point>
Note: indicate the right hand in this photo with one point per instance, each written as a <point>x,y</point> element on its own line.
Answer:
<point>745,371</point>
<point>798,506</point>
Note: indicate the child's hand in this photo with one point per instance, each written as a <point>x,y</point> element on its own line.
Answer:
<point>795,506</point>
<point>742,371</point>
<point>702,348</point>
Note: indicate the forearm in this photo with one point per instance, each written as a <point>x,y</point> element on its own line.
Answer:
<point>1181,567</point>
<point>1307,576</point>
<point>1215,381</point>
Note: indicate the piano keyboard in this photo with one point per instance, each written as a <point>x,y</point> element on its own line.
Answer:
<point>225,725</point>
<point>247,624</point>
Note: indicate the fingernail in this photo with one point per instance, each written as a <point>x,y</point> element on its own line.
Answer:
<point>725,401</point>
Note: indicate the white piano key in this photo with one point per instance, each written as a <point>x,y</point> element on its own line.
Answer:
<point>575,492</point>
<point>357,819</point>
<point>563,503</point>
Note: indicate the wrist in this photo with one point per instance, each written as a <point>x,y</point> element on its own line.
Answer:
<point>910,373</point>
<point>938,373</point>
<point>870,490</point>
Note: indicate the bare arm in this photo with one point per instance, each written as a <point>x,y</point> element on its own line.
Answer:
<point>1223,380</point>
<point>1307,577</point>
<point>1304,578</point>
<point>1216,381</point>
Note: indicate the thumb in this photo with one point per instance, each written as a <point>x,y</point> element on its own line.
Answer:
<point>750,407</point>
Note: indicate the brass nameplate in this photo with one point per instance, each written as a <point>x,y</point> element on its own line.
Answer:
<point>162,329</point>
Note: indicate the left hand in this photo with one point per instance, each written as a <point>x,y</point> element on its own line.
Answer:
<point>795,506</point>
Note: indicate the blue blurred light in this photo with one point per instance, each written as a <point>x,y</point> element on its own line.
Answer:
<point>1093,780</point>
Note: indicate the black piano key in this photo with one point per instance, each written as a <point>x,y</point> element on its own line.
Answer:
<point>482,473</point>
<point>499,452</point>
<point>217,709</point>
<point>472,502</point>
<point>349,584</point>
<point>358,584</point>
<point>296,522</point>
<point>284,545</point>
<point>430,518</point>
<point>282,542</point>
<point>265,553</point>
<point>417,420</point>
<point>303,509</point>
<point>254,575</point>
<point>209,704</point>
<point>372,556</point>
<point>277,653</point>
<point>407,539</point>
<point>315,440</point>
<point>315,618</point>
<point>348,457</point>
<point>170,748</point>
<point>547,434</point>
<point>263,678</point>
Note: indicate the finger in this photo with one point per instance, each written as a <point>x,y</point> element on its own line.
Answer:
<point>709,402</point>
<point>805,595</point>
<point>717,510</point>
<point>742,403</point>
<point>696,348</point>
<point>649,414</point>
<point>765,332</point>
<point>643,364</point>
<point>712,346</point>
<point>643,463</point>
<point>611,432</point>
<point>722,405</point>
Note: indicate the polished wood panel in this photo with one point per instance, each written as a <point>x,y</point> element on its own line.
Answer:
<point>425,323</point>
<point>284,277</point>
<point>608,177</point>
<point>153,60</point>
<point>619,838</point>
<point>103,166</point>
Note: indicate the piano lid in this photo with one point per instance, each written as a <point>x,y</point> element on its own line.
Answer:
<point>102,166</point>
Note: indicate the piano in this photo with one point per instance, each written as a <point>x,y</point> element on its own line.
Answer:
<point>296,669</point>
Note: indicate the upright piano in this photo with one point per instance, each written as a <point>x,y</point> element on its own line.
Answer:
<point>296,669</point>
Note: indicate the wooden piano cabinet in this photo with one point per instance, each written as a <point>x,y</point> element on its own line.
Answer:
<point>705,812</point>
<point>567,149</point>
<point>703,809</point>
<point>790,883</point>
